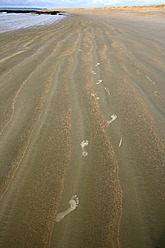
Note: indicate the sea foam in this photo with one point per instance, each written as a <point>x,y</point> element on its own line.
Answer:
<point>12,21</point>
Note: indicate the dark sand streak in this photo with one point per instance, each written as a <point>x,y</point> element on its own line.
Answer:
<point>131,105</point>
<point>20,156</point>
<point>32,61</point>
<point>61,88</point>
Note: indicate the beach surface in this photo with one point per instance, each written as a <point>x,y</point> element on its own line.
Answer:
<point>82,141</point>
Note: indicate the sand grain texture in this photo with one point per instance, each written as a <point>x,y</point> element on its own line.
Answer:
<point>90,77</point>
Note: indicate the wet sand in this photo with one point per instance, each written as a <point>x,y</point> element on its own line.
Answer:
<point>92,78</point>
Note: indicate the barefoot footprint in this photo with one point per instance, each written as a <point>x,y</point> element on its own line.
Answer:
<point>113,118</point>
<point>97,64</point>
<point>107,90</point>
<point>95,95</point>
<point>99,81</point>
<point>148,78</point>
<point>121,139</point>
<point>73,205</point>
<point>83,144</point>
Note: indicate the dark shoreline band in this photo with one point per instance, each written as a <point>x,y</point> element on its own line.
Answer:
<point>38,12</point>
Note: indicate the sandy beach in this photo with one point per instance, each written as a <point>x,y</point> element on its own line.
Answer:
<point>82,125</point>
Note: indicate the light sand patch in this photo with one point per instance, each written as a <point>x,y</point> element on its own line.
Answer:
<point>9,57</point>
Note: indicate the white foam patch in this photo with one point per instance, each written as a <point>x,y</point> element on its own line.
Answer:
<point>12,21</point>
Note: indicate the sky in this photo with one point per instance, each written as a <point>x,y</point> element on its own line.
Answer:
<point>76,3</point>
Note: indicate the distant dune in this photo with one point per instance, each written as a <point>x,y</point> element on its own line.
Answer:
<point>109,10</point>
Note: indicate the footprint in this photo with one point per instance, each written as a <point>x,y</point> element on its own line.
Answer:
<point>156,93</point>
<point>148,78</point>
<point>83,144</point>
<point>120,142</point>
<point>95,95</point>
<point>100,81</point>
<point>131,57</point>
<point>107,90</point>
<point>97,64</point>
<point>113,118</point>
<point>73,205</point>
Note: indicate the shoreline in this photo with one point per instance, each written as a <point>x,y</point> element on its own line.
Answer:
<point>37,12</point>
<point>26,20</point>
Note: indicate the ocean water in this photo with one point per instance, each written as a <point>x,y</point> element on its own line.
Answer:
<point>12,21</point>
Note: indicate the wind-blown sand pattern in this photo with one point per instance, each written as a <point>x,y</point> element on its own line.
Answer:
<point>82,115</point>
